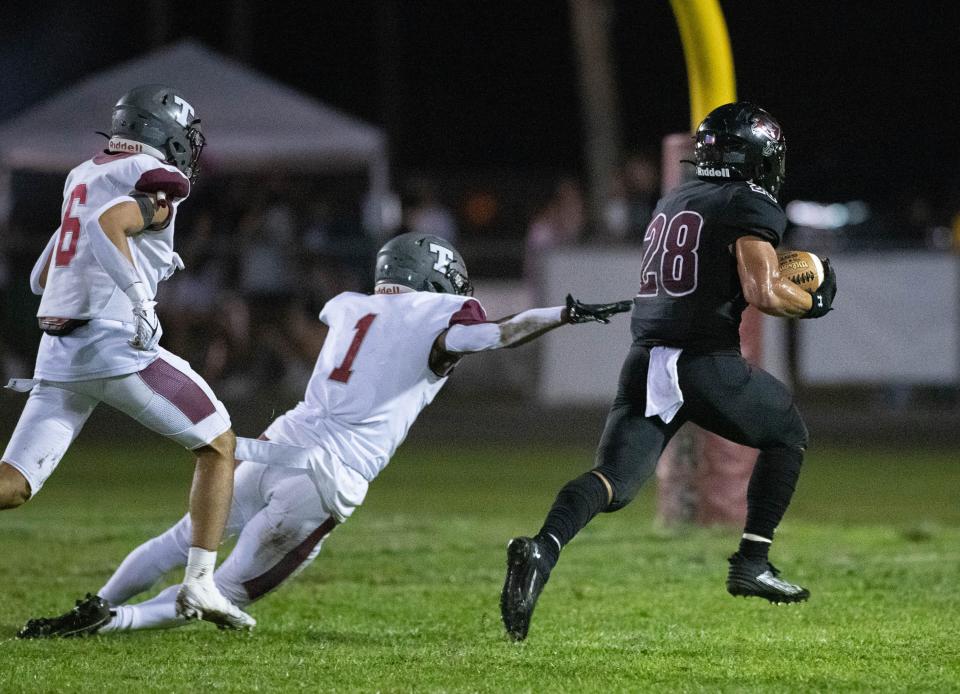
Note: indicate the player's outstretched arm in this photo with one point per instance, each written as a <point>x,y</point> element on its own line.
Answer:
<point>523,327</point>
<point>763,285</point>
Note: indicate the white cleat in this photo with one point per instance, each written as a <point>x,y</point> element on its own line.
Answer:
<point>202,600</point>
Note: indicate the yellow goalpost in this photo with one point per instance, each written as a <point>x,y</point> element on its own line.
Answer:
<point>706,50</point>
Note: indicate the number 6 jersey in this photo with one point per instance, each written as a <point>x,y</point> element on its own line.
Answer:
<point>690,294</point>
<point>372,377</point>
<point>76,285</point>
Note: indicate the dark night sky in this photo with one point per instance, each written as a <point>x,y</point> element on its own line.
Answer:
<point>866,90</point>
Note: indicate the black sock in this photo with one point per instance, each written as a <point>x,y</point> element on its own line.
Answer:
<point>753,549</point>
<point>579,501</point>
<point>771,487</point>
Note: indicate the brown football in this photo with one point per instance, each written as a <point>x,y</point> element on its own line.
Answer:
<point>801,268</point>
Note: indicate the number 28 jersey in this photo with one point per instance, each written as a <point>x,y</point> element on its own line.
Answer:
<point>690,294</point>
<point>372,377</point>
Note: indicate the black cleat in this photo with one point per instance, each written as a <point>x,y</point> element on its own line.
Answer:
<point>759,578</point>
<point>86,619</point>
<point>527,574</point>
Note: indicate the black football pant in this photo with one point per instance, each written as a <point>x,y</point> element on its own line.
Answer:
<point>722,393</point>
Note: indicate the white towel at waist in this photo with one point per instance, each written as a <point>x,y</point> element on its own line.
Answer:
<point>664,397</point>
<point>22,385</point>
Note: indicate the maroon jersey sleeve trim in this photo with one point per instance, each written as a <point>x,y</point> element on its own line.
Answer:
<point>175,185</point>
<point>470,313</point>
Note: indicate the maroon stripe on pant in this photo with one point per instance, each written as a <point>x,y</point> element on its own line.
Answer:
<point>167,381</point>
<point>256,587</point>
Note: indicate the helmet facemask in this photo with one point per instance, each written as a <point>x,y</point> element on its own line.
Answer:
<point>772,171</point>
<point>461,285</point>
<point>196,141</point>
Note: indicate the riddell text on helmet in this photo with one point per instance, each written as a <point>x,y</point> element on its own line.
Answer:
<point>120,145</point>
<point>710,171</point>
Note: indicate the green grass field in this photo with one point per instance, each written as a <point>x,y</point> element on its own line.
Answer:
<point>404,597</point>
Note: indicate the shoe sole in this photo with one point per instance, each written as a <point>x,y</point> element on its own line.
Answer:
<point>88,630</point>
<point>225,621</point>
<point>190,611</point>
<point>518,552</point>
<point>222,620</point>
<point>775,598</point>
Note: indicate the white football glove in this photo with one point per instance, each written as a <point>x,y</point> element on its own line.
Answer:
<point>147,326</point>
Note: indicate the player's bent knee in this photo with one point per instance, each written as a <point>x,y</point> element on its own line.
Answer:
<point>623,494</point>
<point>803,437</point>
<point>10,499</point>
<point>14,488</point>
<point>796,435</point>
<point>620,493</point>
<point>606,484</point>
<point>223,446</point>
<point>618,503</point>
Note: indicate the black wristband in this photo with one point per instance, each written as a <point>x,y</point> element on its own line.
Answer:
<point>820,306</point>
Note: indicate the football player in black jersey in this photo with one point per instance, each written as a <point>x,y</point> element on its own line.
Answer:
<point>707,254</point>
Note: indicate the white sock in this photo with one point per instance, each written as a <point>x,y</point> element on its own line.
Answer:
<point>157,613</point>
<point>200,565</point>
<point>144,566</point>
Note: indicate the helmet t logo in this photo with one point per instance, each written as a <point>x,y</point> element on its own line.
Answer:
<point>444,256</point>
<point>185,116</point>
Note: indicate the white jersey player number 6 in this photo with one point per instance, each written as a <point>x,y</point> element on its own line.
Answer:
<point>342,372</point>
<point>70,227</point>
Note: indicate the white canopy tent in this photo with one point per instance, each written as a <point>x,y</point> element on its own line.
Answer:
<point>251,122</point>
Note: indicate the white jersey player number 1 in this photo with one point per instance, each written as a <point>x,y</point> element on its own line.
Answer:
<point>342,372</point>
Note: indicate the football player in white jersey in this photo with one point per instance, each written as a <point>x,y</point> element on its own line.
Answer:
<point>384,359</point>
<point>98,277</point>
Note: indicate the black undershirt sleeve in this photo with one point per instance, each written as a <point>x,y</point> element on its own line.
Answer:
<point>148,209</point>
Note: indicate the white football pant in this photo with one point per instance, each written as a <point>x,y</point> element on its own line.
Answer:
<point>167,397</point>
<point>281,523</point>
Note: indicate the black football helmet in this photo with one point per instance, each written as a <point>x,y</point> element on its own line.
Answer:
<point>424,263</point>
<point>158,116</point>
<point>741,142</point>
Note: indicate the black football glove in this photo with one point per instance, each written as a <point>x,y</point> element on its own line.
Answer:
<point>584,313</point>
<point>823,297</point>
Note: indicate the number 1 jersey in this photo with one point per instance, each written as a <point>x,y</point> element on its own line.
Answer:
<point>372,377</point>
<point>690,294</point>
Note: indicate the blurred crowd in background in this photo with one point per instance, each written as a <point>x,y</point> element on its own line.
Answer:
<point>263,255</point>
